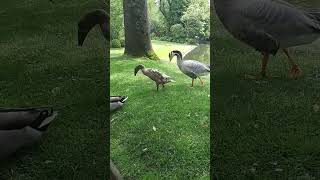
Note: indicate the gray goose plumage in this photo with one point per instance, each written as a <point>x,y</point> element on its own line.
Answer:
<point>269,25</point>
<point>192,68</point>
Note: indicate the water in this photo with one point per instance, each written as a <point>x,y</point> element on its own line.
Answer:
<point>200,53</point>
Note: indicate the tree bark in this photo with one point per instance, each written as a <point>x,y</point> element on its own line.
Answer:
<point>137,29</point>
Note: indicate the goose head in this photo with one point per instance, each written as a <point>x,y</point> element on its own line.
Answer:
<point>175,53</point>
<point>137,68</point>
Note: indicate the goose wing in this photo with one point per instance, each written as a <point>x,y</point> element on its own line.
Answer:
<point>273,23</point>
<point>195,67</point>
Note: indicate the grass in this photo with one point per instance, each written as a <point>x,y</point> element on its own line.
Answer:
<point>42,65</point>
<point>264,129</point>
<point>164,134</point>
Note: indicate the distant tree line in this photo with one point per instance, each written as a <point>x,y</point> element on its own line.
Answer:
<point>183,21</point>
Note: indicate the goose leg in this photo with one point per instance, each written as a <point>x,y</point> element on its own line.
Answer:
<point>264,64</point>
<point>162,85</point>
<point>157,87</point>
<point>192,83</point>
<point>201,81</point>
<point>295,70</point>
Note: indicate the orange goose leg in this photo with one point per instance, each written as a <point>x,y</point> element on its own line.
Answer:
<point>295,70</point>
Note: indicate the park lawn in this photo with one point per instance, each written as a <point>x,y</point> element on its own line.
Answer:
<point>265,129</point>
<point>164,134</point>
<point>41,65</point>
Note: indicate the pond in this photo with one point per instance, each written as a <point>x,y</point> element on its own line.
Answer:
<point>200,53</point>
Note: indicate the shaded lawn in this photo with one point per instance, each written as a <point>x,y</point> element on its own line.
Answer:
<point>42,65</point>
<point>178,147</point>
<point>265,129</point>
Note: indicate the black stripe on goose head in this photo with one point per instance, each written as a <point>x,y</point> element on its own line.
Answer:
<point>175,53</point>
<point>137,68</point>
<point>88,21</point>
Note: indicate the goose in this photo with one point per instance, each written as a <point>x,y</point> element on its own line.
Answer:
<point>154,74</point>
<point>22,127</point>
<point>269,25</point>
<point>89,20</point>
<point>117,102</point>
<point>192,68</point>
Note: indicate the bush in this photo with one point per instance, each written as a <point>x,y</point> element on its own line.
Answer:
<point>177,32</point>
<point>196,19</point>
<point>158,27</point>
<point>122,42</point>
<point>191,41</point>
<point>115,43</point>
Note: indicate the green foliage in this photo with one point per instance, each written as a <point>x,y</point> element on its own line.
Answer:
<point>181,21</point>
<point>122,42</point>
<point>196,19</point>
<point>115,43</point>
<point>170,20</point>
<point>116,19</point>
<point>178,32</point>
<point>173,10</point>
<point>158,26</point>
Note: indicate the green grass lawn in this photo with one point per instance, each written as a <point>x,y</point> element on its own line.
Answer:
<point>265,129</point>
<point>42,65</point>
<point>164,134</point>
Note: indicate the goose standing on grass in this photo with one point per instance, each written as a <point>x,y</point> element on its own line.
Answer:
<point>154,74</point>
<point>192,68</point>
<point>22,127</point>
<point>269,25</point>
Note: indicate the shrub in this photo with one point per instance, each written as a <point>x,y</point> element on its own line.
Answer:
<point>196,19</point>
<point>177,32</point>
<point>158,27</point>
<point>122,42</point>
<point>115,43</point>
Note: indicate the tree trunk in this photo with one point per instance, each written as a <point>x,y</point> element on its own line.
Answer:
<point>137,29</point>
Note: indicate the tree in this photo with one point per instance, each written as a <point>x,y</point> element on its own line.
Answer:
<point>197,19</point>
<point>116,20</point>
<point>137,29</point>
<point>173,10</point>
